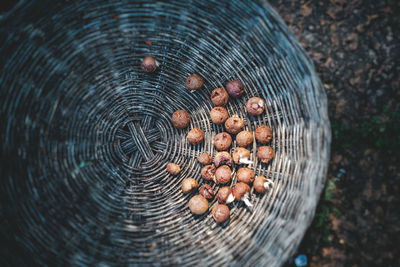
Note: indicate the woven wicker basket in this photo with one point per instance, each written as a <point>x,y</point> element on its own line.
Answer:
<point>86,135</point>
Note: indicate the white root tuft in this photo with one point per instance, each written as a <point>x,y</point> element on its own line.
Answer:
<point>245,160</point>
<point>268,184</point>
<point>230,199</point>
<point>246,200</point>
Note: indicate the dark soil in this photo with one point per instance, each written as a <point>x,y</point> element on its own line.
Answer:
<point>356,51</point>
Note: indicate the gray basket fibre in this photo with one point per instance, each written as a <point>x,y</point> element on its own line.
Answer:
<point>86,135</point>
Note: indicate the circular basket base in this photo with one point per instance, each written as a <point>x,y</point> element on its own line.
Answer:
<point>87,135</point>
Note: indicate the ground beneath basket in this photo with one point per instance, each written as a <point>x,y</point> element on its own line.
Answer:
<point>355,47</point>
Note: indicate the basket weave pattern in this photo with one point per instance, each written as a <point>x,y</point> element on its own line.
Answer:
<point>87,135</point>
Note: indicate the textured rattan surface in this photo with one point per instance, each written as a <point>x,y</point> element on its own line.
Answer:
<point>86,135</point>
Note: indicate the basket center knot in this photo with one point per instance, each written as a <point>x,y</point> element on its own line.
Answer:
<point>137,141</point>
